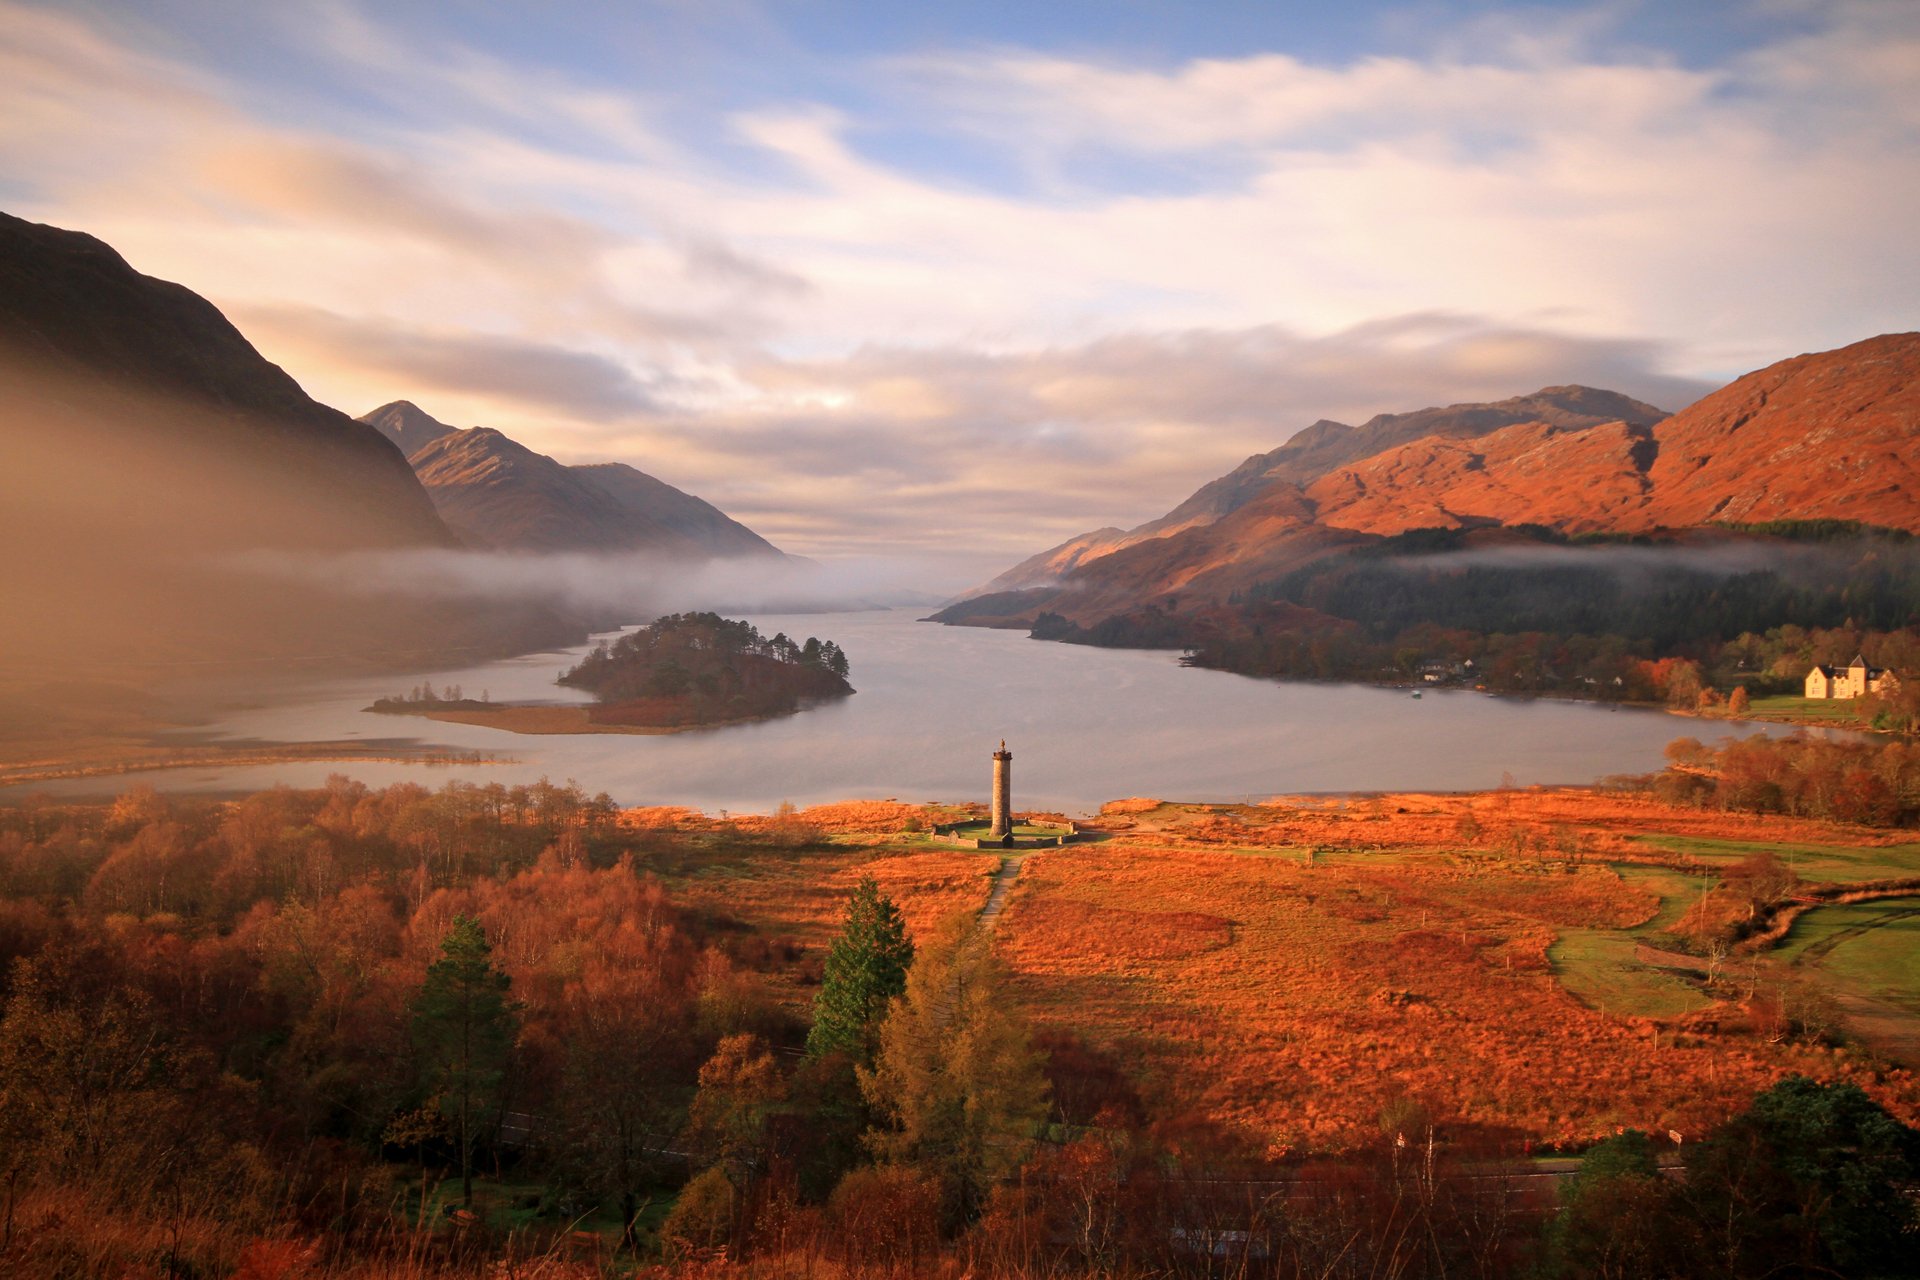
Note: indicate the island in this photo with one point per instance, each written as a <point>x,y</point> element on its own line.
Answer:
<point>681,671</point>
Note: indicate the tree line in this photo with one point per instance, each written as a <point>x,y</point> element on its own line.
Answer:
<point>1870,783</point>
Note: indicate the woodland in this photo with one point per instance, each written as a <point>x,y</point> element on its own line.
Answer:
<point>516,1031</point>
<point>701,668</point>
<point>1593,615</point>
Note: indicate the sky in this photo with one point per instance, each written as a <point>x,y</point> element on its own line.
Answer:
<point>957,282</point>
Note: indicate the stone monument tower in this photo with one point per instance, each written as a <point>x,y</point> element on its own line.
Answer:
<point>1002,791</point>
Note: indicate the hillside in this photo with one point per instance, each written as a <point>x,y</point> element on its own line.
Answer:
<point>1324,446</point>
<point>498,494</point>
<point>1827,436</point>
<point>149,455</point>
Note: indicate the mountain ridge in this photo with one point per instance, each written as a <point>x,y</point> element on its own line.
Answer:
<point>498,494</point>
<point>1826,435</point>
<point>1323,446</point>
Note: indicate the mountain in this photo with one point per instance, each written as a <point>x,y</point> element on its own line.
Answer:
<point>1326,445</point>
<point>498,494</point>
<point>691,517</point>
<point>152,461</point>
<point>1834,435</point>
<point>406,425</point>
<point>137,366</point>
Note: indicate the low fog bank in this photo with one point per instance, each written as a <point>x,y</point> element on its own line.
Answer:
<point>1723,560</point>
<point>611,587</point>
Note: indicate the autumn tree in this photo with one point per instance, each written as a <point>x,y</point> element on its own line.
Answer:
<point>727,1130</point>
<point>865,968</point>
<point>464,1027</point>
<point>628,1037</point>
<point>956,1081</point>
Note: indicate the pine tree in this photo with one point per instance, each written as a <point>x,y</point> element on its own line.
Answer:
<point>866,967</point>
<point>464,1027</point>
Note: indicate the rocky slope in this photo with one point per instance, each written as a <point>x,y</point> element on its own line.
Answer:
<point>500,495</point>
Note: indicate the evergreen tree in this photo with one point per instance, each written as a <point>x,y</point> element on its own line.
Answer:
<point>464,1027</point>
<point>866,967</point>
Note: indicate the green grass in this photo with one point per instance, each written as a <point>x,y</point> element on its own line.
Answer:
<point>1676,891</point>
<point>1598,967</point>
<point>1790,707</point>
<point>980,830</point>
<point>1844,863</point>
<point>1869,947</point>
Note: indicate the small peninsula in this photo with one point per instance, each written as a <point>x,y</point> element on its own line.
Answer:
<point>681,671</point>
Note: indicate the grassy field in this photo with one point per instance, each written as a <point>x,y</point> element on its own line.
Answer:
<point>1603,969</point>
<point>1829,862</point>
<point>1869,947</point>
<point>1790,709</point>
<point>1506,960</point>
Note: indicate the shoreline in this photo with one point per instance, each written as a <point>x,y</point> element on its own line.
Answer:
<point>562,720</point>
<point>24,775</point>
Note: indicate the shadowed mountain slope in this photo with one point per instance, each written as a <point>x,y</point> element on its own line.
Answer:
<point>407,425</point>
<point>167,495</point>
<point>498,494</point>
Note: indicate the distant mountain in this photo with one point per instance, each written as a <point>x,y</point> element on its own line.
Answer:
<point>691,517</point>
<point>406,425</point>
<point>146,449</point>
<point>1316,450</point>
<point>1829,436</point>
<point>498,494</point>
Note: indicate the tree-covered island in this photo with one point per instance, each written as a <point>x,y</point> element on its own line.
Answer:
<point>700,668</point>
<point>682,671</point>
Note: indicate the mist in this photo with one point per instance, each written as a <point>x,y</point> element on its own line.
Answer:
<point>1724,560</point>
<point>624,586</point>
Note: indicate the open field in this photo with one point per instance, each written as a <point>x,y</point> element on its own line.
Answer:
<point>1835,713</point>
<point>1873,947</point>
<point>1511,961</point>
<point>1824,862</point>
<point>1605,969</point>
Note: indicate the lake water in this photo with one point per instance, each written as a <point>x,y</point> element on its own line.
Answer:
<point>1084,725</point>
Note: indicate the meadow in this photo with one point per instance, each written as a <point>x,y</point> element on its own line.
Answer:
<point>1535,967</point>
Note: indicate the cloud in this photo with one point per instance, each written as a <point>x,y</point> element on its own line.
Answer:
<point>806,307</point>
<point>1006,451</point>
<point>512,370</point>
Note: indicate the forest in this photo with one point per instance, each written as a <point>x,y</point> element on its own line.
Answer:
<point>355,1032</point>
<point>1543,611</point>
<point>701,668</point>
